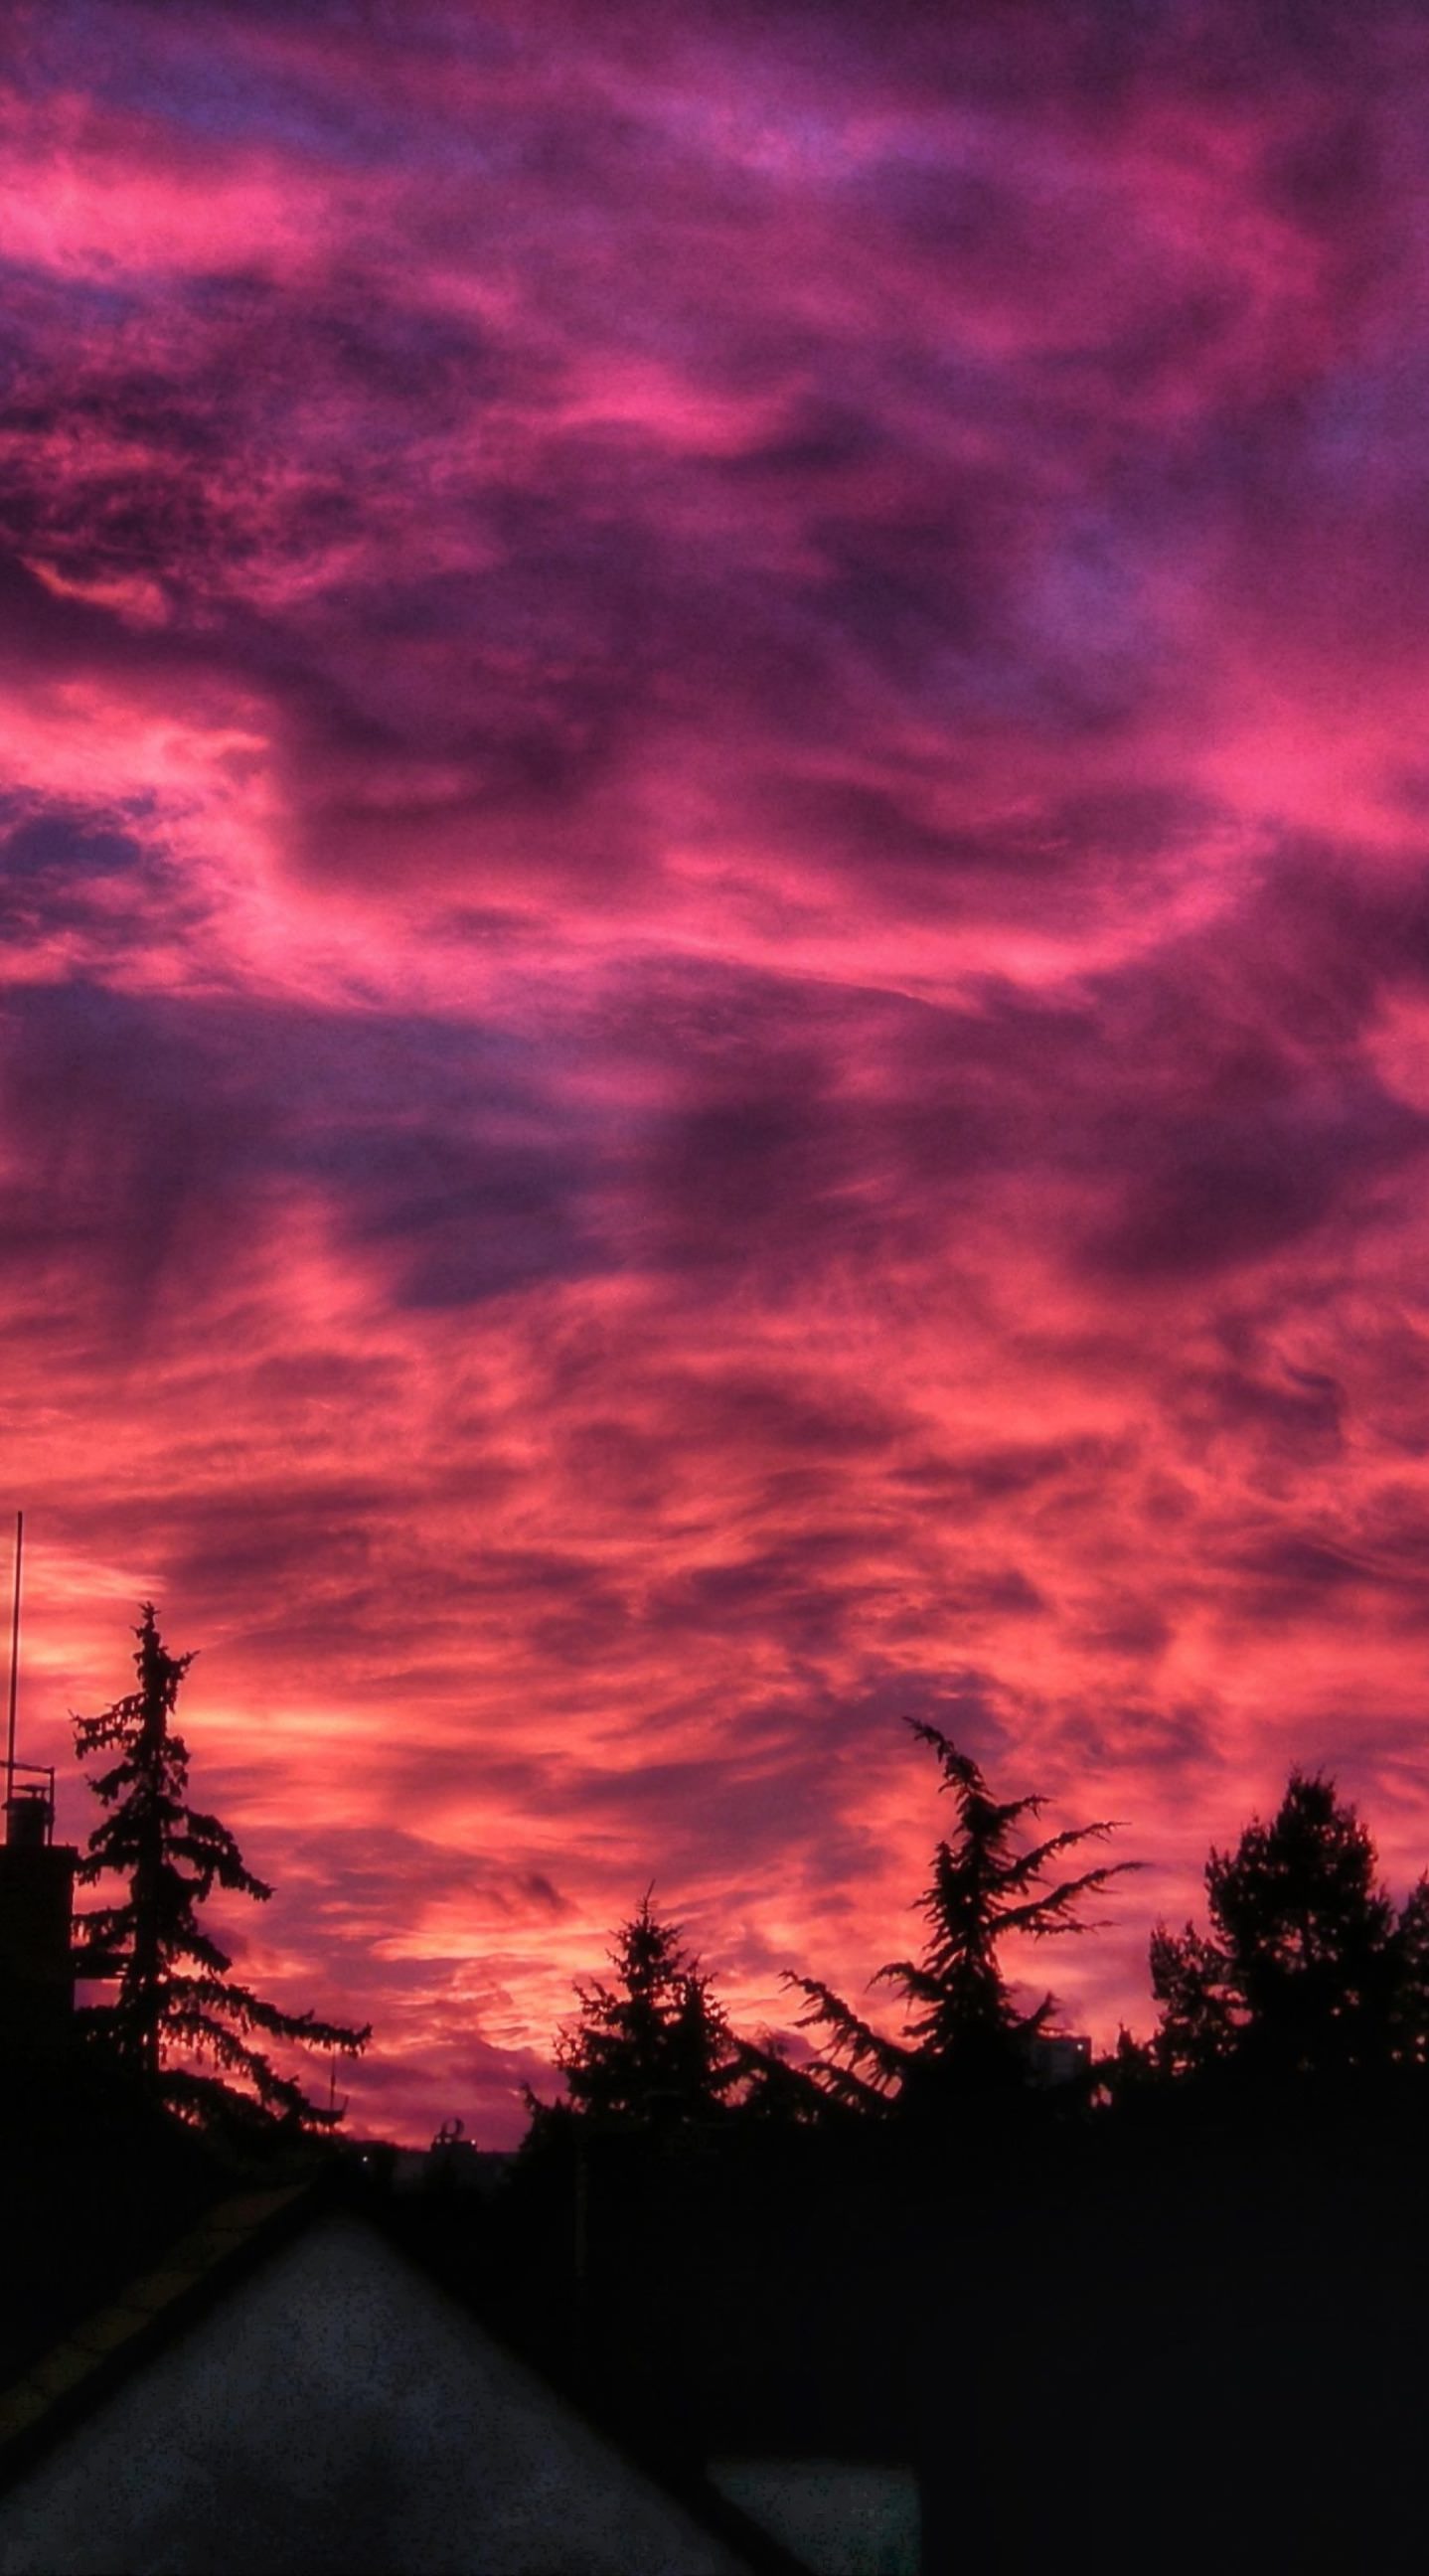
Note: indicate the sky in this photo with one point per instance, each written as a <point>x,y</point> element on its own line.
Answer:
<point>716,959</point>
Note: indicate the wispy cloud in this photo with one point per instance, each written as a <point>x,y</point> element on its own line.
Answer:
<point>716,964</point>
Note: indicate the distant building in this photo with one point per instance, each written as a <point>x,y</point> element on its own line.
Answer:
<point>1057,2057</point>
<point>452,2163</point>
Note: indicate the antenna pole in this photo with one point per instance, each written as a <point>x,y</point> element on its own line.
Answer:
<point>14,1664</point>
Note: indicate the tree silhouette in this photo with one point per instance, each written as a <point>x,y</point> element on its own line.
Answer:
<point>654,2050</point>
<point>1409,2015</point>
<point>1307,1968</point>
<point>776,2092</point>
<point>964,2031</point>
<point>178,2020</point>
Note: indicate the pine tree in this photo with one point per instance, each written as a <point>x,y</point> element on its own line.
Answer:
<point>179,2021</point>
<point>964,2031</point>
<point>654,2050</point>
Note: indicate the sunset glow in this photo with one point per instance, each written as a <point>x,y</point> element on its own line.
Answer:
<point>717,959</point>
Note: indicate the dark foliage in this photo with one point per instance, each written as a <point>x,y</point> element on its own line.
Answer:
<point>1307,1968</point>
<point>654,2050</point>
<point>774,2092</point>
<point>993,2305</point>
<point>179,2023</point>
<point>965,2033</point>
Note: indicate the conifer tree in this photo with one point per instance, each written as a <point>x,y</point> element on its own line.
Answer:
<point>654,2049</point>
<point>965,2033</point>
<point>178,2020</point>
<point>1307,1968</point>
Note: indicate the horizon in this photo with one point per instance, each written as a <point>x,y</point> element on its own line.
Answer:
<point>1020,1955</point>
<point>716,946</point>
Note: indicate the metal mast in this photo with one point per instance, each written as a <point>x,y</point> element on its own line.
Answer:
<point>14,1663</point>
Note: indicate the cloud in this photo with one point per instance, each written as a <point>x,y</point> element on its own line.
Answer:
<point>712,884</point>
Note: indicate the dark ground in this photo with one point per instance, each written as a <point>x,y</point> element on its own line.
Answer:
<point>1185,2339</point>
<point>1187,2336</point>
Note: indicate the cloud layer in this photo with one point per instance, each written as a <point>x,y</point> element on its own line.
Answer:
<point>716,951</point>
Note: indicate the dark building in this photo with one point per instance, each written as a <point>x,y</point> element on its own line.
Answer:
<point>294,2391</point>
<point>36,1900</point>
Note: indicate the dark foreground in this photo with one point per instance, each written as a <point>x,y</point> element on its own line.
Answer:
<point>1184,2336</point>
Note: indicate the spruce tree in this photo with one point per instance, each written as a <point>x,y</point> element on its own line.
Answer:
<point>179,2021</point>
<point>965,2033</point>
<point>654,2050</point>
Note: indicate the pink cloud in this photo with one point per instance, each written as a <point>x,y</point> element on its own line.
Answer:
<point>712,881</point>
